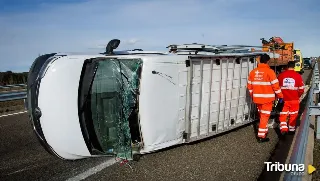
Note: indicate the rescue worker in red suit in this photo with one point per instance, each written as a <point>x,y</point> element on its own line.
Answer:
<point>263,87</point>
<point>292,86</point>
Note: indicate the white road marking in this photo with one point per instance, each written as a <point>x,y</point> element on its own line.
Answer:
<point>24,169</point>
<point>93,170</point>
<point>13,114</point>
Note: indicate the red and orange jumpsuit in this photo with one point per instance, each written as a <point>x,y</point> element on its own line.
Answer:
<point>263,85</point>
<point>292,86</point>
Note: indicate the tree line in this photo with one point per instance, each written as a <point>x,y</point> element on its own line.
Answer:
<point>9,77</point>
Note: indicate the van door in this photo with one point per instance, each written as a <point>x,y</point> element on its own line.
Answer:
<point>217,96</point>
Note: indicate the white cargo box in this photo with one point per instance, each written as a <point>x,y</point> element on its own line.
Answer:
<point>217,96</point>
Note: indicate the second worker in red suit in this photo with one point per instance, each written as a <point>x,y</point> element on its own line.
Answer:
<point>292,87</point>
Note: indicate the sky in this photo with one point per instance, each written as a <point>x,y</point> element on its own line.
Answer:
<point>32,27</point>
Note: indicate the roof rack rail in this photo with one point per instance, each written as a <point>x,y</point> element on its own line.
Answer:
<point>202,49</point>
<point>216,49</point>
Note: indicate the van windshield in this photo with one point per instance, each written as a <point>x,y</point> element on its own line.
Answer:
<point>111,101</point>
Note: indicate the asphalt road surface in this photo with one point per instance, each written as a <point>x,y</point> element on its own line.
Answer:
<point>232,156</point>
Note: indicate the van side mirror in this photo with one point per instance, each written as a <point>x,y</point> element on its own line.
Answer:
<point>113,44</point>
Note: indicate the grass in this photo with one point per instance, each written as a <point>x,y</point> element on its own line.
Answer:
<point>13,89</point>
<point>8,107</point>
<point>316,160</point>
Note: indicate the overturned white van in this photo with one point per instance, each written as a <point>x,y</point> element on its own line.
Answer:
<point>128,103</point>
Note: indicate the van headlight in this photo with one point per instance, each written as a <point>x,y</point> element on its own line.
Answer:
<point>297,64</point>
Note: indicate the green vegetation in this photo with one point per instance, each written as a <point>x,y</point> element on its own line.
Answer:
<point>8,78</point>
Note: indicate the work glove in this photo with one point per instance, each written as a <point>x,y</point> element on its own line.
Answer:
<point>280,101</point>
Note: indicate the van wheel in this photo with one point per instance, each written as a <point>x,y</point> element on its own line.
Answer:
<point>136,157</point>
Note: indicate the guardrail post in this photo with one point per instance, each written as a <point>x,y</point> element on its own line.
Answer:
<point>25,102</point>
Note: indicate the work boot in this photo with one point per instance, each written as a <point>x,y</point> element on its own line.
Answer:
<point>283,134</point>
<point>262,140</point>
<point>291,132</point>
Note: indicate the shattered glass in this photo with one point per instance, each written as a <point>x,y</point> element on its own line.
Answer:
<point>113,98</point>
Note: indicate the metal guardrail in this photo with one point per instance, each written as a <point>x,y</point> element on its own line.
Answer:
<point>12,86</point>
<point>10,96</point>
<point>13,95</point>
<point>300,145</point>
